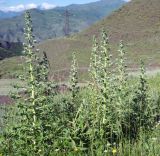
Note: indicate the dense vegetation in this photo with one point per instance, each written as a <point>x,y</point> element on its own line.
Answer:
<point>110,116</point>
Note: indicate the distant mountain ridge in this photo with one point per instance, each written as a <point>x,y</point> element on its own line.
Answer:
<point>10,14</point>
<point>49,24</point>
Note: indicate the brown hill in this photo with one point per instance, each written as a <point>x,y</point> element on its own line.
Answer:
<point>137,20</point>
<point>137,23</point>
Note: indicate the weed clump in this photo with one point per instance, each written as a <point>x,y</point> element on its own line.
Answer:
<point>108,117</point>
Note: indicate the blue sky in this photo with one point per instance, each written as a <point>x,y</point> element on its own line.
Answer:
<point>56,2</point>
<point>19,5</point>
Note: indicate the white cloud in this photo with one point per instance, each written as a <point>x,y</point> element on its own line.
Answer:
<point>31,6</point>
<point>127,0</point>
<point>47,6</point>
<point>22,7</point>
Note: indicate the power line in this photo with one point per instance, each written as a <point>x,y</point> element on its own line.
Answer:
<point>66,28</point>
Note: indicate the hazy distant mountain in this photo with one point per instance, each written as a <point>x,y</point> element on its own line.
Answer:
<point>49,24</point>
<point>5,15</point>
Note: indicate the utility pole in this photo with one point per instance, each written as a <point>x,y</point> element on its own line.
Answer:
<point>66,28</point>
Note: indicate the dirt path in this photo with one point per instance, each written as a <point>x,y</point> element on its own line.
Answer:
<point>6,84</point>
<point>149,72</point>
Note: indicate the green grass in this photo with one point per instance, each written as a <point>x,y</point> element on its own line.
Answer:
<point>10,67</point>
<point>6,86</point>
<point>153,80</point>
<point>114,115</point>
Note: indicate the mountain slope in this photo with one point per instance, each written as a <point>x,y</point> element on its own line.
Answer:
<point>5,15</point>
<point>49,23</point>
<point>137,20</point>
<point>137,23</point>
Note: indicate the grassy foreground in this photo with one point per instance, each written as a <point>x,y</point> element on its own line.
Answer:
<point>112,115</point>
